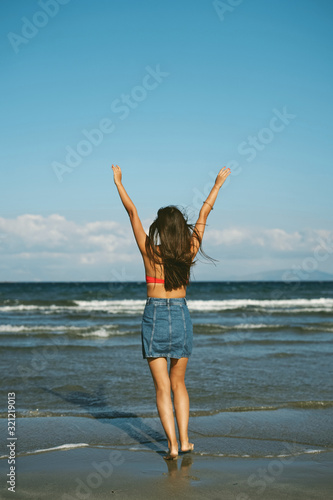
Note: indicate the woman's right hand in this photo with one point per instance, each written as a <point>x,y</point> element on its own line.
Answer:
<point>116,174</point>
<point>221,176</point>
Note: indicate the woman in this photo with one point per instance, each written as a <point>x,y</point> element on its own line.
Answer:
<point>168,254</point>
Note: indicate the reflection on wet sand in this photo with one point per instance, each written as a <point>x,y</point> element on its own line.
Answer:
<point>179,475</point>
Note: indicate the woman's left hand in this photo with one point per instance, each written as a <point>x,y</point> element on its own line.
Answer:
<point>116,174</point>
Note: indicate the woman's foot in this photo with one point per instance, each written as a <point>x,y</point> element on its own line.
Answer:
<point>187,447</point>
<point>171,455</point>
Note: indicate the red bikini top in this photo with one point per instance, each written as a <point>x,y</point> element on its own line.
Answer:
<point>150,279</point>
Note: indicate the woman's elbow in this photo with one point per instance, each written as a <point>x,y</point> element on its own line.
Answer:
<point>132,212</point>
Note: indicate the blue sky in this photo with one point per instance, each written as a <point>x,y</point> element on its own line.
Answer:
<point>171,92</point>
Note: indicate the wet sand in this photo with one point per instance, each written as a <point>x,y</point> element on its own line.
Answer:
<point>238,455</point>
<point>95,473</point>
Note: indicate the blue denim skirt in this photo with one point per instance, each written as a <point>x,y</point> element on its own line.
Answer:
<point>166,329</point>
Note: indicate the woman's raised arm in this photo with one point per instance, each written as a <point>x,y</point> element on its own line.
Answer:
<point>139,233</point>
<point>207,206</point>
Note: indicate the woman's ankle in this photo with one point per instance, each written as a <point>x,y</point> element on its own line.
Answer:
<point>173,446</point>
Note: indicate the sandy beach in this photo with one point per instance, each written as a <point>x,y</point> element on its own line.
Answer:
<point>127,463</point>
<point>90,473</point>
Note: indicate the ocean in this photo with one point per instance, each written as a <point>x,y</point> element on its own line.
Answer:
<point>260,374</point>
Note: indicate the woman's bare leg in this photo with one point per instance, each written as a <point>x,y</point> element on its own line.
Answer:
<point>181,400</point>
<point>159,371</point>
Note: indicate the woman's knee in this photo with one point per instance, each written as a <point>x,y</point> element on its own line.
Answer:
<point>163,386</point>
<point>177,384</point>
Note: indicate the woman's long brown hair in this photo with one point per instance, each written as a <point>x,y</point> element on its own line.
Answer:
<point>174,232</point>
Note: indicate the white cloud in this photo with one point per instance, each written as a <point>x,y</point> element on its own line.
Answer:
<point>35,234</point>
<point>275,240</point>
<point>56,248</point>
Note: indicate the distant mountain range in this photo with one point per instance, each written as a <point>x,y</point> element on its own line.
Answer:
<point>284,275</point>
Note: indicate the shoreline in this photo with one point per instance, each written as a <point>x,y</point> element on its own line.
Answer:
<point>257,434</point>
